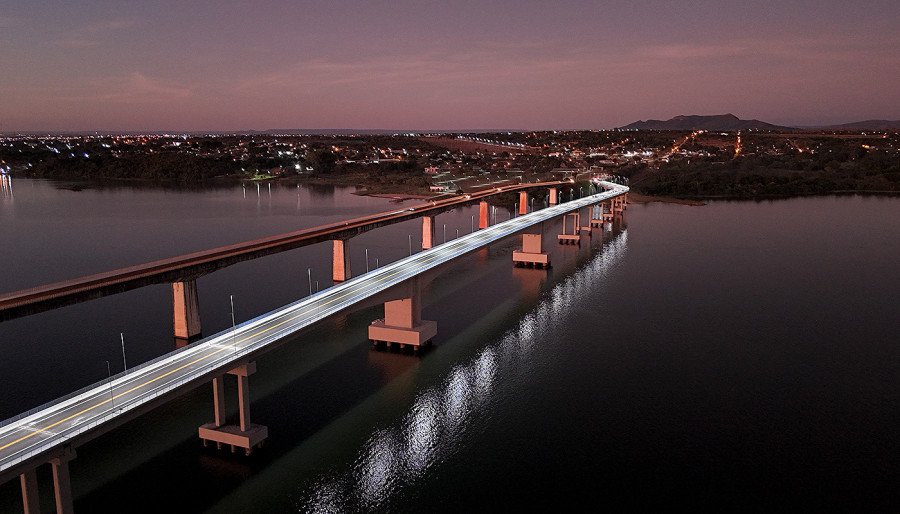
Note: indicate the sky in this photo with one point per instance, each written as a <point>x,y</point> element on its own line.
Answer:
<point>441,65</point>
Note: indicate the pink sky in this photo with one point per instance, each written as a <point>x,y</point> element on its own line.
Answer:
<point>441,65</point>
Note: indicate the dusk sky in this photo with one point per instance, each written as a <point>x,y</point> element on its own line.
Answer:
<point>119,65</point>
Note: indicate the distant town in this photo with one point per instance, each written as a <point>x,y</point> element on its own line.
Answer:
<point>706,163</point>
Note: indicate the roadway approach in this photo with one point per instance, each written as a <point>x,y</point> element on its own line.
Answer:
<point>51,432</point>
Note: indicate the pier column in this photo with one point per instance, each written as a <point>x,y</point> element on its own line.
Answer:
<point>554,199</point>
<point>532,253</point>
<point>483,217</point>
<point>427,232</point>
<point>523,203</point>
<point>62,483</point>
<point>31,500</point>
<point>243,381</point>
<point>186,301</point>
<point>219,400</point>
<point>340,260</point>
<point>403,325</point>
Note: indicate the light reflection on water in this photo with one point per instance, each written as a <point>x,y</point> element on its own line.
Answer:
<point>436,423</point>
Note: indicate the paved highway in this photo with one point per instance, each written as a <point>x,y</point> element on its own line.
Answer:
<point>105,404</point>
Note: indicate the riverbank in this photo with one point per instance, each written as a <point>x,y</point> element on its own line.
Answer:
<point>639,198</point>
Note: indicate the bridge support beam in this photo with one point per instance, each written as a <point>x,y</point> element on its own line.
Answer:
<point>427,232</point>
<point>574,237</point>
<point>403,325</point>
<point>532,253</point>
<point>31,499</point>
<point>62,483</point>
<point>523,203</point>
<point>483,216</point>
<point>340,260</point>
<point>245,435</point>
<point>554,196</point>
<point>186,302</point>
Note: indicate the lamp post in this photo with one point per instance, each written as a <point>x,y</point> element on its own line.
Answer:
<point>309,278</point>
<point>410,244</point>
<point>367,260</point>
<point>233,324</point>
<point>124,362</point>
<point>112,399</point>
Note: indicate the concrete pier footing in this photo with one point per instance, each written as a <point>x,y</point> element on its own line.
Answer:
<point>532,253</point>
<point>402,325</point>
<point>245,435</point>
<point>554,196</point>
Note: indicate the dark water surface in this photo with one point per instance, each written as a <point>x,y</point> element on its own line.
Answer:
<point>739,355</point>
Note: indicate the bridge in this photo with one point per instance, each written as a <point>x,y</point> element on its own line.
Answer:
<point>182,271</point>
<point>52,432</point>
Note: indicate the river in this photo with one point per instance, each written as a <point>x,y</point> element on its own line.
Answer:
<point>739,355</point>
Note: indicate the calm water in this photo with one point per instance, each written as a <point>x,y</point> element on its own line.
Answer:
<point>738,355</point>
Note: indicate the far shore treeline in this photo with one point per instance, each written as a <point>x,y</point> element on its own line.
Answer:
<point>700,164</point>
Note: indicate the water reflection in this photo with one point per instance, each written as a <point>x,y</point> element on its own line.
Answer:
<point>396,456</point>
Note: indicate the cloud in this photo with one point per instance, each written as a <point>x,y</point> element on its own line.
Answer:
<point>93,34</point>
<point>134,88</point>
<point>427,69</point>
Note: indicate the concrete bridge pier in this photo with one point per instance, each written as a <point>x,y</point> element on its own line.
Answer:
<point>186,301</point>
<point>574,237</point>
<point>62,485</point>
<point>427,232</point>
<point>532,252</point>
<point>523,203</point>
<point>245,435</point>
<point>586,230</point>
<point>606,210</point>
<point>483,217</point>
<point>340,260</point>
<point>554,196</point>
<point>597,215</point>
<point>403,325</point>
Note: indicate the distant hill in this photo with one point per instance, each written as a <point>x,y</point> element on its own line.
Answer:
<point>865,125</point>
<point>724,122</point>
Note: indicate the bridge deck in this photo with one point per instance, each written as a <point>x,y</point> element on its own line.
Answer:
<point>103,406</point>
